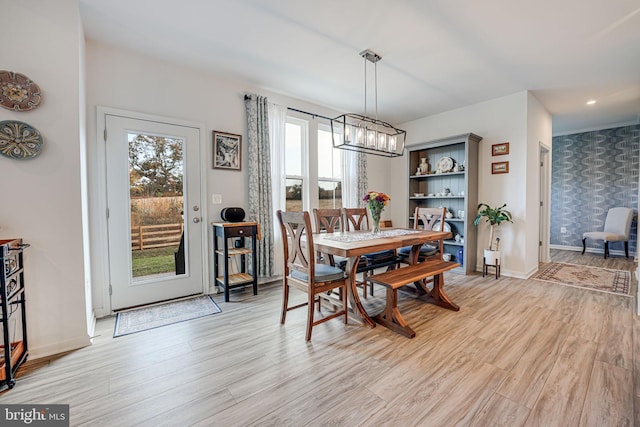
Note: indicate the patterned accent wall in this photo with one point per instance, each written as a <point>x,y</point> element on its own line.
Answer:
<point>592,172</point>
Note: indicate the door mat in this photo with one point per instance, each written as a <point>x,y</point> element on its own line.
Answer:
<point>142,319</point>
<point>582,276</point>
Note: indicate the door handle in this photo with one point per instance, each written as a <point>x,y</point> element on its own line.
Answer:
<point>196,220</point>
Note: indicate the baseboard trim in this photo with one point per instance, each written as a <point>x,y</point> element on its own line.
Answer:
<point>591,250</point>
<point>505,272</point>
<point>37,352</point>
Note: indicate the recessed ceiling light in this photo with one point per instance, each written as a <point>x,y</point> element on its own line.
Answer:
<point>591,102</point>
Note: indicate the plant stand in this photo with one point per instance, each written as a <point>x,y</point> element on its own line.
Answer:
<point>494,256</point>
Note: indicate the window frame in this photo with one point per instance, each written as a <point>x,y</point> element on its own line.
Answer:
<point>327,128</point>
<point>310,179</point>
<point>304,160</point>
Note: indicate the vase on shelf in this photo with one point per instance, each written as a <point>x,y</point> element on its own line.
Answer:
<point>424,167</point>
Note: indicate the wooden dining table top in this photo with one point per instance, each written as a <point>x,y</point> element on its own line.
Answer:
<point>356,243</point>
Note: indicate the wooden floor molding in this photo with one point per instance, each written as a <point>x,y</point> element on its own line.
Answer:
<point>518,353</point>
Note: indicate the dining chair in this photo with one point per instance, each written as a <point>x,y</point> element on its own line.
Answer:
<point>302,272</point>
<point>357,219</point>
<point>426,218</point>
<point>617,226</point>
<point>328,221</point>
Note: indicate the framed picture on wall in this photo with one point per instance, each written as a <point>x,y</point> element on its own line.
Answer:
<point>227,150</point>
<point>500,149</point>
<point>500,167</point>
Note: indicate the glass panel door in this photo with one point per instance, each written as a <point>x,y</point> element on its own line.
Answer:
<point>153,196</point>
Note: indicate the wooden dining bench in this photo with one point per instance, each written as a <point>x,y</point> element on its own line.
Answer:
<point>415,273</point>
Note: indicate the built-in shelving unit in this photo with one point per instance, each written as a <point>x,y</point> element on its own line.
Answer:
<point>455,188</point>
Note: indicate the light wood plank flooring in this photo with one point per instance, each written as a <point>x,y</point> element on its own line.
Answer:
<point>518,353</point>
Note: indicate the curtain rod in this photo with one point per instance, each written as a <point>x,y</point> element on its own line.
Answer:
<point>308,113</point>
<point>314,115</point>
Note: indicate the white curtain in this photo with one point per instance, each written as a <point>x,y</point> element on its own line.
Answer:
<point>354,175</point>
<point>277,131</point>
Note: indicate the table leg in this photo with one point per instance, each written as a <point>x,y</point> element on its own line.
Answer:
<point>414,256</point>
<point>438,296</point>
<point>354,300</point>
<point>392,318</point>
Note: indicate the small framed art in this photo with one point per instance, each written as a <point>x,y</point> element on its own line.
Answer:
<point>500,167</point>
<point>500,149</point>
<point>227,150</point>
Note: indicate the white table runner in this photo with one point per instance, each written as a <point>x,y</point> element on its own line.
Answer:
<point>358,237</point>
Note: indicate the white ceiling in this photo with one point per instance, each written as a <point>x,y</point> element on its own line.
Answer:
<point>436,55</point>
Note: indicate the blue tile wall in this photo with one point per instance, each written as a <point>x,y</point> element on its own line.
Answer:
<point>592,172</point>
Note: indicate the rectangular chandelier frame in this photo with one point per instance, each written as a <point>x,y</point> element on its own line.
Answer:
<point>356,132</point>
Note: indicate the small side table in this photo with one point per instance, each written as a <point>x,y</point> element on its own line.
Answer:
<point>222,232</point>
<point>485,267</point>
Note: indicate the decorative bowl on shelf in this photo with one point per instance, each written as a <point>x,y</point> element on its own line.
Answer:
<point>418,194</point>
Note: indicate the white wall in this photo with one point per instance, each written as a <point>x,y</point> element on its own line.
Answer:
<point>42,201</point>
<point>496,121</point>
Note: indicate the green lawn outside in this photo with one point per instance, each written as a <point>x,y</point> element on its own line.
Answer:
<point>154,261</point>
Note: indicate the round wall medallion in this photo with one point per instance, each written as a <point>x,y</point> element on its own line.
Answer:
<point>18,92</point>
<point>19,140</point>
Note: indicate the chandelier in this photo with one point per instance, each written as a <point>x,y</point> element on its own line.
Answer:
<point>368,134</point>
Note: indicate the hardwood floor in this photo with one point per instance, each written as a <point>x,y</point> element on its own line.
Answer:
<point>518,353</point>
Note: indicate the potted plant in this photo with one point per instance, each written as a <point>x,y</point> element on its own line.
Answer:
<point>494,216</point>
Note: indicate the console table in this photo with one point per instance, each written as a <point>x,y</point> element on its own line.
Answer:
<point>237,232</point>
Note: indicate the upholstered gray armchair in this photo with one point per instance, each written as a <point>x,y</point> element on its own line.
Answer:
<point>617,226</point>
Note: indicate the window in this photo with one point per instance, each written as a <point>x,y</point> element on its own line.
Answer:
<point>313,168</point>
<point>329,171</point>
<point>294,172</point>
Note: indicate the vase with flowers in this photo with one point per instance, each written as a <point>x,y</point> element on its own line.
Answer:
<point>376,202</point>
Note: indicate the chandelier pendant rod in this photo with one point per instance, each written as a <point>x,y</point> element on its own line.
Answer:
<point>365,85</point>
<point>375,70</point>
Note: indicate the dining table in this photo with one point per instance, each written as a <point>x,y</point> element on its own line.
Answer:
<point>355,244</point>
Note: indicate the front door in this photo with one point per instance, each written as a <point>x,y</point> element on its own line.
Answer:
<point>154,219</point>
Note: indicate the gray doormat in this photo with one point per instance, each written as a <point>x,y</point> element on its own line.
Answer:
<point>142,319</point>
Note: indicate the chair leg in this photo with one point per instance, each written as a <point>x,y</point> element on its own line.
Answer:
<point>606,249</point>
<point>311,306</point>
<point>584,245</point>
<point>344,295</point>
<point>364,283</point>
<point>626,248</point>
<point>285,301</point>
